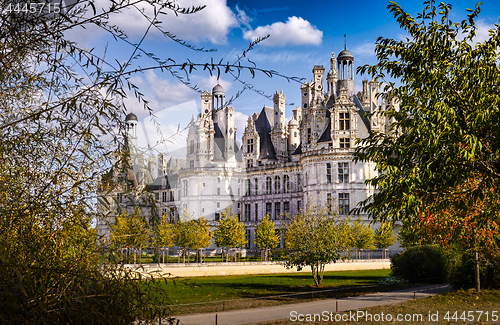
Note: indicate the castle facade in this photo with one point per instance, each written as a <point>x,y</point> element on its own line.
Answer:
<point>278,167</point>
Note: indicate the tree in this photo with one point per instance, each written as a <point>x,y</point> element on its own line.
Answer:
<point>192,234</point>
<point>361,235</point>
<point>230,233</point>
<point>384,236</point>
<point>314,238</point>
<point>131,232</point>
<point>164,235</point>
<point>442,152</point>
<point>265,235</point>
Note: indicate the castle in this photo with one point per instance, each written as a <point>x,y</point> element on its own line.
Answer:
<point>280,167</point>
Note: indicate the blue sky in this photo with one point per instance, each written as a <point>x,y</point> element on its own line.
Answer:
<point>303,34</point>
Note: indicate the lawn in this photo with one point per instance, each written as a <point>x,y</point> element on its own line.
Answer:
<point>479,304</point>
<point>205,294</point>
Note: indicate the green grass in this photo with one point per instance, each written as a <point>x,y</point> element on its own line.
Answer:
<point>459,301</point>
<point>208,293</point>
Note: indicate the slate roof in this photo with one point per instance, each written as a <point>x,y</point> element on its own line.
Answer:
<point>362,113</point>
<point>263,127</point>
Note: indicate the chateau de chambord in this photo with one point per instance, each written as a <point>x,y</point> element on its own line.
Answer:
<point>277,168</point>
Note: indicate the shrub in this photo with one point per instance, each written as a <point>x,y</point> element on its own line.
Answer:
<point>462,271</point>
<point>426,262</point>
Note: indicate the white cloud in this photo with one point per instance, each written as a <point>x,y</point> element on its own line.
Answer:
<point>240,120</point>
<point>243,18</point>
<point>364,50</point>
<point>296,31</point>
<point>310,58</point>
<point>166,92</point>
<point>211,82</point>
<point>210,24</point>
<point>482,31</point>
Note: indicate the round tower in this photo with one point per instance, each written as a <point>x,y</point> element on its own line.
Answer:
<point>131,122</point>
<point>345,63</point>
<point>218,96</point>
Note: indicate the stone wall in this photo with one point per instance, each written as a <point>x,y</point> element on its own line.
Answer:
<point>246,268</point>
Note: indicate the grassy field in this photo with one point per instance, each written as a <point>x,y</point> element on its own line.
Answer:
<point>205,294</point>
<point>461,302</point>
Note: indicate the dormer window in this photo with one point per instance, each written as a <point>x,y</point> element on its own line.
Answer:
<point>249,145</point>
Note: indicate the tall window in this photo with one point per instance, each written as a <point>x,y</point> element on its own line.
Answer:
<point>164,196</point>
<point>191,146</point>
<point>298,206</point>
<point>329,202</point>
<point>247,237</point>
<point>171,195</point>
<point>217,216</point>
<point>286,183</point>
<point>309,135</point>
<point>269,210</point>
<point>247,212</point>
<point>249,145</point>
<point>277,209</point>
<point>256,212</point>
<point>218,190</point>
<point>343,203</point>
<point>286,208</point>
<point>344,121</point>
<point>299,183</point>
<point>191,164</point>
<point>345,142</point>
<point>277,184</point>
<point>247,187</point>
<point>119,197</point>
<point>328,172</point>
<point>185,185</point>
<point>343,172</point>
<point>249,163</point>
<point>268,185</point>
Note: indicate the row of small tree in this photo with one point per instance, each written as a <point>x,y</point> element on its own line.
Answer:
<point>136,232</point>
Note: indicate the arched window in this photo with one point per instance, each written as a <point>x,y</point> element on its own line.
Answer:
<point>277,184</point>
<point>268,185</point>
<point>286,184</point>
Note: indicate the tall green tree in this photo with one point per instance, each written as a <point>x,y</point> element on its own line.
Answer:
<point>131,231</point>
<point>266,236</point>
<point>441,153</point>
<point>361,235</point>
<point>315,238</point>
<point>164,235</point>
<point>384,236</point>
<point>192,234</point>
<point>230,232</point>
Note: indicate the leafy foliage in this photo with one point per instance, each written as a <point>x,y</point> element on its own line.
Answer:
<point>425,262</point>
<point>383,236</point>
<point>439,164</point>
<point>230,233</point>
<point>315,238</point>
<point>131,231</point>
<point>192,234</point>
<point>361,235</point>
<point>266,236</point>
<point>61,118</point>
